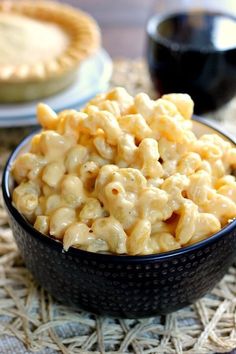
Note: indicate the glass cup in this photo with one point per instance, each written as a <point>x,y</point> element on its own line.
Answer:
<point>191,48</point>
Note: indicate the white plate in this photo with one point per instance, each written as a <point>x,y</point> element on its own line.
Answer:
<point>92,78</point>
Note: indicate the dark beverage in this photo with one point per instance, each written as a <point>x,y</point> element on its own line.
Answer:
<point>195,53</point>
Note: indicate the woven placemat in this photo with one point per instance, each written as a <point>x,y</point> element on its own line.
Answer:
<point>30,320</point>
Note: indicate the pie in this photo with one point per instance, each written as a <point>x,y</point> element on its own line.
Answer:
<point>42,44</point>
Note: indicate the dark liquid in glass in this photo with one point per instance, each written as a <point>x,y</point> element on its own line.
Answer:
<point>194,53</point>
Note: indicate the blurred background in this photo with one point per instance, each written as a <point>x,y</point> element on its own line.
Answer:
<point>122,23</point>
<point>209,78</point>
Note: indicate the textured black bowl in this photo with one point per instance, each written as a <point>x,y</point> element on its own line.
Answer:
<point>121,286</point>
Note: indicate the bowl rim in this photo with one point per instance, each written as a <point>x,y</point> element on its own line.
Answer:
<point>159,18</point>
<point>72,251</point>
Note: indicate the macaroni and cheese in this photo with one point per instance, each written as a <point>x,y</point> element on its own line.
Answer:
<point>126,175</point>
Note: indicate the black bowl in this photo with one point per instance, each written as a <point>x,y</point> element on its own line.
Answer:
<point>186,53</point>
<point>121,286</point>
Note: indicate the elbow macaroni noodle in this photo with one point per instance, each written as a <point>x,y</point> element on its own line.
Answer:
<point>126,175</point>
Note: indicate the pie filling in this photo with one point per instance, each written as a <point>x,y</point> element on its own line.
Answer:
<point>27,41</point>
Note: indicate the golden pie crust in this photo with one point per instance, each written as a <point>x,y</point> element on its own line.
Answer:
<point>76,37</point>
